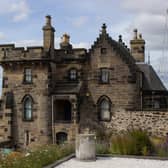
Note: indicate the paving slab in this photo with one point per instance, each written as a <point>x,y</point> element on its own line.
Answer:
<point>114,162</point>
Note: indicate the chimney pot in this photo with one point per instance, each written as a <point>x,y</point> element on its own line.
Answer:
<point>48,20</point>
<point>135,33</point>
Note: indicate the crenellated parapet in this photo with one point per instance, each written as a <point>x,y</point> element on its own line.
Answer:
<point>10,53</point>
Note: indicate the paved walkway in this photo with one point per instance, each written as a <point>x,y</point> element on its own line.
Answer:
<point>112,162</point>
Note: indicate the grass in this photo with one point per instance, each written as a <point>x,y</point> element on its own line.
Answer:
<point>38,158</point>
<point>132,142</point>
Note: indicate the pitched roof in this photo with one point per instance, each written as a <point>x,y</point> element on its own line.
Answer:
<point>151,79</point>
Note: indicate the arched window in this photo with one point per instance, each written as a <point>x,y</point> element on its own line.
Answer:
<point>28,108</point>
<point>104,109</point>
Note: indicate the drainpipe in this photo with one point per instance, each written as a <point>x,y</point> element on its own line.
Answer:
<point>141,100</point>
<point>52,118</point>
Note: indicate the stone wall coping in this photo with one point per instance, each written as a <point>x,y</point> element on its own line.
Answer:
<point>133,156</point>
<point>85,135</point>
<point>58,162</point>
<point>148,111</point>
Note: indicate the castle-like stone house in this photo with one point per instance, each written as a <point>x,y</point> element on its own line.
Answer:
<point>49,95</point>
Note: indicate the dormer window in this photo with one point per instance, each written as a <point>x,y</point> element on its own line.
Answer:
<point>28,75</point>
<point>104,77</point>
<point>73,74</point>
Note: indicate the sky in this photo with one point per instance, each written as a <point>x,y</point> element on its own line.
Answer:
<point>21,23</point>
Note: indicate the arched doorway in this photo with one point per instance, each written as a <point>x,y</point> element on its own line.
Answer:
<point>61,137</point>
<point>62,110</point>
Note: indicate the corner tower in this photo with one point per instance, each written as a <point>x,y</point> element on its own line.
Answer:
<point>137,45</point>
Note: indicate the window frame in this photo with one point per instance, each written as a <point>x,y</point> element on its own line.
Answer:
<point>103,50</point>
<point>100,101</point>
<point>106,70</point>
<point>26,75</point>
<point>69,74</point>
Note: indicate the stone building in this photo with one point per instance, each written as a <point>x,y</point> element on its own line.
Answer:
<point>49,95</point>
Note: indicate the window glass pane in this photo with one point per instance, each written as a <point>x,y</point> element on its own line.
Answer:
<point>105,105</point>
<point>105,75</point>
<point>156,104</point>
<point>28,109</point>
<point>28,75</point>
<point>105,110</point>
<point>73,74</point>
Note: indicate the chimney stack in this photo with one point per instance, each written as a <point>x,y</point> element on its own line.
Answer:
<point>65,42</point>
<point>137,45</point>
<point>48,35</point>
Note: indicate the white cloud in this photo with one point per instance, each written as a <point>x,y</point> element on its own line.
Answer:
<point>26,43</point>
<point>78,21</point>
<point>81,45</point>
<point>17,9</point>
<point>2,36</point>
<point>149,17</point>
<point>22,11</point>
<point>143,6</point>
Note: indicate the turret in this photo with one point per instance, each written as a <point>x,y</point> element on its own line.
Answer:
<point>48,35</point>
<point>137,45</point>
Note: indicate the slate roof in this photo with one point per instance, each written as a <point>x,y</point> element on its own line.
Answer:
<point>151,79</point>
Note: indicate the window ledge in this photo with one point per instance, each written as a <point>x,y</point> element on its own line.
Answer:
<point>28,120</point>
<point>104,83</point>
<point>62,121</point>
<point>27,83</point>
<point>105,120</point>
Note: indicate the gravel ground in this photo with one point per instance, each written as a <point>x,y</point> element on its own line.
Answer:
<point>113,162</point>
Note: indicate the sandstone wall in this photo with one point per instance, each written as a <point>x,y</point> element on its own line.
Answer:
<point>38,90</point>
<point>155,122</point>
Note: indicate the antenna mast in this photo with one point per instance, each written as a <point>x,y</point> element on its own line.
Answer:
<point>163,60</point>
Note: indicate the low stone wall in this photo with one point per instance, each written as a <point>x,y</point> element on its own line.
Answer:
<point>155,122</point>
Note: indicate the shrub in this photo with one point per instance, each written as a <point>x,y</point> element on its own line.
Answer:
<point>161,148</point>
<point>102,148</point>
<point>133,142</point>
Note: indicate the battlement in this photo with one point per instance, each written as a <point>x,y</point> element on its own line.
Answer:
<point>12,53</point>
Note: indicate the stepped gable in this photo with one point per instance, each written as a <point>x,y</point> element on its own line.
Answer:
<point>119,47</point>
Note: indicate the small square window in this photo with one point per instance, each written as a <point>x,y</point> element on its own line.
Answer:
<point>73,74</point>
<point>28,75</point>
<point>103,50</point>
<point>5,129</point>
<point>104,78</point>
